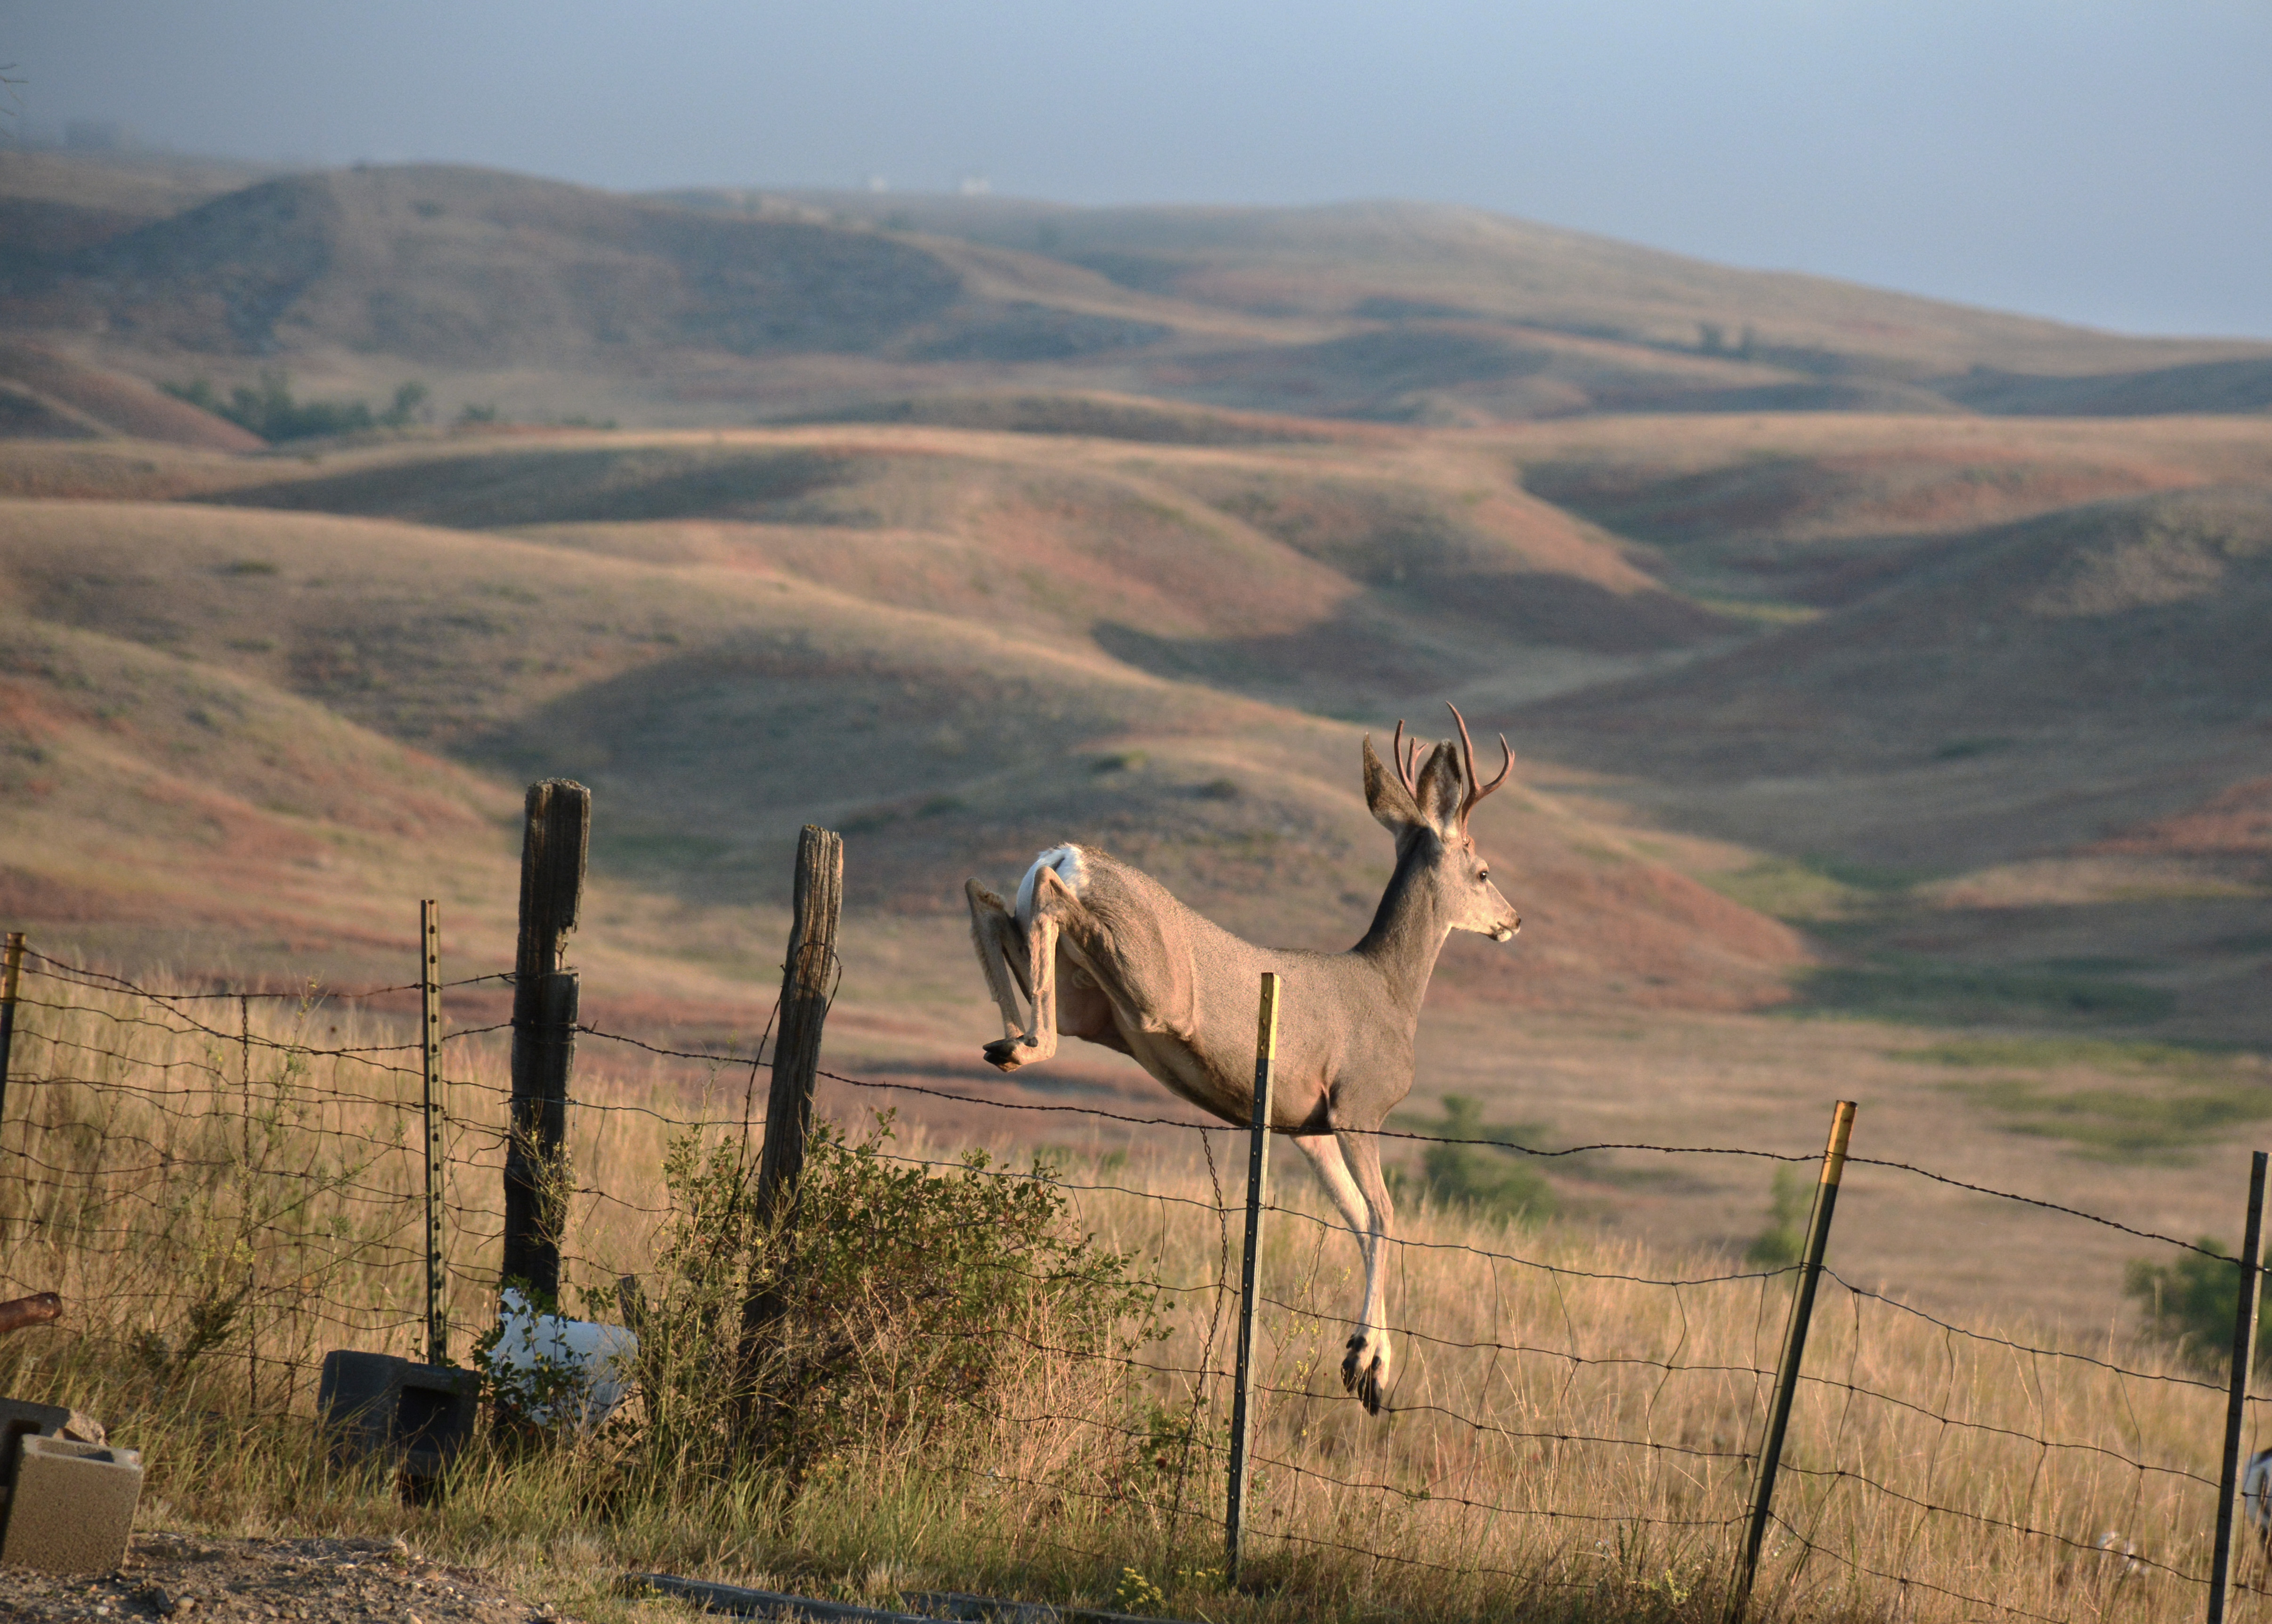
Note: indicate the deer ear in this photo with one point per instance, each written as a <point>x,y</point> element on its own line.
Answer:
<point>1385,797</point>
<point>1443,786</point>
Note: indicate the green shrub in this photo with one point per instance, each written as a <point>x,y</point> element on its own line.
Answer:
<point>1783,1241</point>
<point>897,1299</point>
<point>1481,1170</point>
<point>271,413</point>
<point>2192,1303</point>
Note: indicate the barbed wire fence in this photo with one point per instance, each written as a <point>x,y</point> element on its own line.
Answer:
<point>216,1176</point>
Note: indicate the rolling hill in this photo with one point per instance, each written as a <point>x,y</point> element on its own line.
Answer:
<point>551,302</point>
<point>1849,682</point>
<point>717,700</point>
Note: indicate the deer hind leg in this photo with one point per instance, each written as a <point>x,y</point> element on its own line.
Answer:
<point>1362,1197</point>
<point>1001,954</point>
<point>1054,907</point>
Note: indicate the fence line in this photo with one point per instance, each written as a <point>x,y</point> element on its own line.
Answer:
<point>309,1155</point>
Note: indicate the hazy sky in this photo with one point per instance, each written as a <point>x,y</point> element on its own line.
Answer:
<point>2107,163</point>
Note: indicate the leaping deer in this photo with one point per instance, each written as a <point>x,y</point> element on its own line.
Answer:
<point>1104,952</point>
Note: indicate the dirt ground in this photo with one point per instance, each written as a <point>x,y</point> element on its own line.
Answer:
<point>185,1577</point>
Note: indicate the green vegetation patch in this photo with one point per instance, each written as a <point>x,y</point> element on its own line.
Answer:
<point>272,412</point>
<point>2106,1054</point>
<point>2185,1095</point>
<point>2120,1124</point>
<point>2192,1303</point>
<point>1484,1168</point>
<point>1785,889</point>
<point>1810,888</point>
<point>1764,611</point>
<point>1940,993</point>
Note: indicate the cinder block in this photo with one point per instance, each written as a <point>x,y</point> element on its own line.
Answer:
<point>20,1418</point>
<point>72,1508</point>
<point>375,1403</point>
<point>356,1398</point>
<point>434,1416</point>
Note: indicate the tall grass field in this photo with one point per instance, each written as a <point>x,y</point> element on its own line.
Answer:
<point>986,1371</point>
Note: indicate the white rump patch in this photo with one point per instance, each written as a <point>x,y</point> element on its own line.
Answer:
<point>1066,861</point>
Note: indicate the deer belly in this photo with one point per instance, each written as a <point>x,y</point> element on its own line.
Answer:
<point>1186,1074</point>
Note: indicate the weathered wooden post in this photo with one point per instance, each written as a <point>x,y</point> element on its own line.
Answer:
<point>553,850</point>
<point>2235,1415</point>
<point>429,1028</point>
<point>8,973</point>
<point>819,900</point>
<point>1258,1173</point>
<point>1794,1354</point>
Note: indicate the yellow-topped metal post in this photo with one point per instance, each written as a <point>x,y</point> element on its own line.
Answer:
<point>1257,1170</point>
<point>1794,1351</point>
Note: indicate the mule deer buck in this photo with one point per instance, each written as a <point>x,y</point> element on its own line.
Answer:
<point>1101,952</point>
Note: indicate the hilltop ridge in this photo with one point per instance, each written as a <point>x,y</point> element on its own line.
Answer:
<point>549,299</point>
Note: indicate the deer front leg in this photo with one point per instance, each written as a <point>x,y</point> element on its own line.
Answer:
<point>1364,1368</point>
<point>1001,954</point>
<point>1053,906</point>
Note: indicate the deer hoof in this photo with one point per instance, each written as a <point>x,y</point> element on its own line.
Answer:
<point>1364,1368</point>
<point>1008,1053</point>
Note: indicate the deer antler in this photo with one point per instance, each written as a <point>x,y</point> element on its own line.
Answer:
<point>1406,759</point>
<point>1476,787</point>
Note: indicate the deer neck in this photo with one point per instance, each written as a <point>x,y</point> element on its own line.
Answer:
<point>1411,926</point>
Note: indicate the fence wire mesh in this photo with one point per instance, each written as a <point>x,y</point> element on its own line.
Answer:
<point>231,1181</point>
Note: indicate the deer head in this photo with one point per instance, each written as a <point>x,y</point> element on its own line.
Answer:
<point>1426,806</point>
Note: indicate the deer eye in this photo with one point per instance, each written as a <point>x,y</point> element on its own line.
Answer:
<point>1484,873</point>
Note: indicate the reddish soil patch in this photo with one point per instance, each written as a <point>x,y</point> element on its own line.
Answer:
<point>2236,821</point>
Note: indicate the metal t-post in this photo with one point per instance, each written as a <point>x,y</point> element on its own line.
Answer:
<point>1258,1170</point>
<point>1794,1351</point>
<point>429,1000</point>
<point>2236,1414</point>
<point>13,968</point>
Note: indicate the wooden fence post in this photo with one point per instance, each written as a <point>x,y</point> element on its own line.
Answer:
<point>1258,1173</point>
<point>553,848</point>
<point>429,1027</point>
<point>2235,1415</point>
<point>9,972</point>
<point>1794,1352</point>
<point>818,900</point>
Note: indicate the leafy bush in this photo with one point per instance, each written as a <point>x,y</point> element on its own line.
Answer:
<point>897,1299</point>
<point>2191,1302</point>
<point>271,413</point>
<point>1783,1241</point>
<point>1480,1171</point>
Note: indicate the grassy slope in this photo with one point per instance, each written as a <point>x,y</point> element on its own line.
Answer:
<point>556,301</point>
<point>2005,647</point>
<point>717,697</point>
<point>1436,261</point>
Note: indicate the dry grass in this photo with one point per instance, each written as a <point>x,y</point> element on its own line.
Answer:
<point>1572,1415</point>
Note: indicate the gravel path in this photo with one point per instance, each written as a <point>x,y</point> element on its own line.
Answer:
<point>256,1580</point>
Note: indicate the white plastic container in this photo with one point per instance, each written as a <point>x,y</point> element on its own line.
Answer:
<point>547,1353</point>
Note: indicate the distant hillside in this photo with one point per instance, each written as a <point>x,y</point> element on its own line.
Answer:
<point>713,702</point>
<point>1403,262</point>
<point>551,302</point>
<point>46,395</point>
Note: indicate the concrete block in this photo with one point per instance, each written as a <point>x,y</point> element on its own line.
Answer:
<point>434,1413</point>
<point>419,1416</point>
<point>355,1399</point>
<point>72,1508</point>
<point>20,1418</point>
